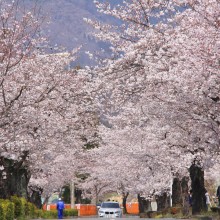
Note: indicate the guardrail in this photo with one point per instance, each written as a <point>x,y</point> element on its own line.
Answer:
<point>83,209</point>
<point>132,208</point>
<point>88,209</point>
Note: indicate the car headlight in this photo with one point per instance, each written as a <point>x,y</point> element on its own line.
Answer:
<point>101,212</point>
<point>117,212</point>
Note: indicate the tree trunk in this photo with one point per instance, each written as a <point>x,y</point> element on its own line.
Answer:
<point>163,201</point>
<point>185,196</point>
<point>66,194</point>
<point>124,201</point>
<point>198,189</point>
<point>14,178</point>
<point>176,192</point>
<point>78,196</point>
<point>35,197</point>
<point>96,194</point>
<point>179,191</point>
<point>144,205</point>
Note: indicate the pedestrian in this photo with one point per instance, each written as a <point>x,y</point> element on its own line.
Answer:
<point>218,195</point>
<point>207,200</point>
<point>190,198</point>
<point>60,208</point>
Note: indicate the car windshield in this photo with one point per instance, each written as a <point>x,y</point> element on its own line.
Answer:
<point>110,205</point>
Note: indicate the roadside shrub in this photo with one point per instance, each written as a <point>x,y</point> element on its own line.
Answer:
<point>10,209</point>
<point>19,209</point>
<point>52,214</point>
<point>30,209</point>
<point>24,208</point>
<point>70,212</point>
<point>1,212</point>
<point>38,213</point>
<point>45,214</point>
<point>6,210</point>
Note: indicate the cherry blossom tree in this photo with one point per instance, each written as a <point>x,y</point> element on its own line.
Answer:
<point>153,112</point>
<point>45,109</point>
<point>16,44</point>
<point>167,77</point>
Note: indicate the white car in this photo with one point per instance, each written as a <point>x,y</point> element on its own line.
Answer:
<point>110,210</point>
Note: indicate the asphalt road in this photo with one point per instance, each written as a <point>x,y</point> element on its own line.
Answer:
<point>96,217</point>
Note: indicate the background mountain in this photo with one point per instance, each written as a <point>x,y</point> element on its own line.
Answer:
<point>68,29</point>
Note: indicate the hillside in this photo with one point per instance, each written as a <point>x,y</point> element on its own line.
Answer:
<point>67,27</point>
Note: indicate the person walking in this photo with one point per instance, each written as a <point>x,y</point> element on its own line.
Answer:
<point>60,208</point>
<point>207,200</point>
<point>190,198</point>
<point>218,195</point>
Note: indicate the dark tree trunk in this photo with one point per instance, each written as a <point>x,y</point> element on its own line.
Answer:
<point>78,196</point>
<point>35,197</point>
<point>184,185</point>
<point>176,192</point>
<point>198,189</point>
<point>124,201</point>
<point>144,205</point>
<point>163,201</point>
<point>179,191</point>
<point>14,178</point>
<point>185,196</point>
<point>141,204</point>
<point>66,194</point>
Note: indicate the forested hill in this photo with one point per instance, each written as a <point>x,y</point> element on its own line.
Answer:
<point>67,27</point>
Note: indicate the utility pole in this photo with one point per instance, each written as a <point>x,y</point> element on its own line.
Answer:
<point>72,194</point>
<point>171,193</point>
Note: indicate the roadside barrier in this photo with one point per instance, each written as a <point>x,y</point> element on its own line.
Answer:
<point>132,208</point>
<point>54,206</point>
<point>88,210</point>
<point>83,209</point>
